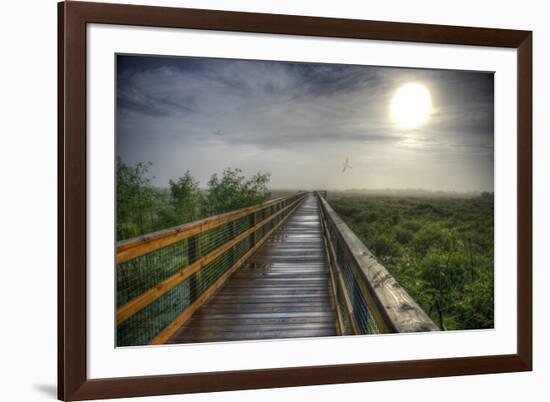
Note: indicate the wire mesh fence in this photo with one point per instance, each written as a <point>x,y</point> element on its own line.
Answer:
<point>353,309</point>
<point>175,276</point>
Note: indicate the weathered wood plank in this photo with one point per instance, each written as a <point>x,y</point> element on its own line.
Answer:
<point>264,319</point>
<point>254,327</point>
<point>269,291</point>
<point>246,335</point>
<point>279,299</point>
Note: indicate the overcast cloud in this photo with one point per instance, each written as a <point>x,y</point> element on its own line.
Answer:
<point>300,121</point>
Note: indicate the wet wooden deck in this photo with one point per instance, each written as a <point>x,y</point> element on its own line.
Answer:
<point>283,291</point>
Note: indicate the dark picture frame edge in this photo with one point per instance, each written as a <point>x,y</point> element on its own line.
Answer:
<point>73,383</point>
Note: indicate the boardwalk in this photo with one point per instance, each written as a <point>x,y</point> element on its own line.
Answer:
<point>285,268</point>
<point>283,291</point>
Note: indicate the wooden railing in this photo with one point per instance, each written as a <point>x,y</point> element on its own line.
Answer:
<point>164,277</point>
<point>368,298</point>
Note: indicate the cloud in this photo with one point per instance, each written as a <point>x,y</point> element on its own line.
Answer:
<point>170,107</point>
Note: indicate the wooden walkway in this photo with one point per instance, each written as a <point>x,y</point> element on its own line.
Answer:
<point>283,291</point>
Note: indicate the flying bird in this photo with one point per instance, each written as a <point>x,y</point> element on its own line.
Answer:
<point>346,165</point>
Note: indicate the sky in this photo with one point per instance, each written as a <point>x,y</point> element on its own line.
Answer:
<point>301,121</point>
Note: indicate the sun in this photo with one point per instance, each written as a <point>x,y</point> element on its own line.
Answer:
<point>411,105</point>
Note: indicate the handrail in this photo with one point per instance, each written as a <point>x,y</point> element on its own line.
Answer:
<point>190,310</point>
<point>139,245</point>
<point>207,252</point>
<point>132,307</point>
<point>367,291</point>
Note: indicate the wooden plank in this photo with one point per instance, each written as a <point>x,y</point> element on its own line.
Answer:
<point>244,306</point>
<point>283,273</point>
<point>232,289</point>
<point>247,335</point>
<point>142,301</point>
<point>271,319</point>
<point>256,331</point>
<point>280,291</point>
<point>317,298</point>
<point>272,298</point>
<point>189,311</point>
<point>245,287</point>
<point>137,246</point>
<point>236,316</point>
<point>281,281</point>
<point>255,327</point>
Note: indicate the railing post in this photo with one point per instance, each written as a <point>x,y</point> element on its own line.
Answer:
<point>252,224</point>
<point>232,231</point>
<point>192,254</point>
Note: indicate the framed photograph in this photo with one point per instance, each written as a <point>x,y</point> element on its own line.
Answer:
<point>253,200</point>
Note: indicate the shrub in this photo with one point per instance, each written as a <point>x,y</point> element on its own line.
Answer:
<point>402,235</point>
<point>383,246</point>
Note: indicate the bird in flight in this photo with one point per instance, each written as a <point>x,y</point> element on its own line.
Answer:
<point>346,165</point>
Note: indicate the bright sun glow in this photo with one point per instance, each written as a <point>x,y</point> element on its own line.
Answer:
<point>411,105</point>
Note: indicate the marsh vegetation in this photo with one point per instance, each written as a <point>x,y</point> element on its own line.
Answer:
<point>438,246</point>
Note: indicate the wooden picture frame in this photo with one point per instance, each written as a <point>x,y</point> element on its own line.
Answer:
<point>73,382</point>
